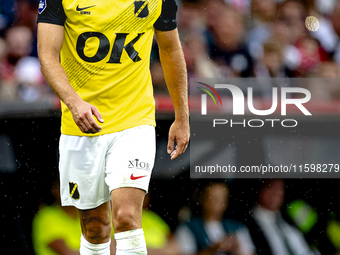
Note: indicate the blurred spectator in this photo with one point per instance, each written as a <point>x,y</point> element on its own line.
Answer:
<point>271,65</point>
<point>241,6</point>
<point>20,74</point>
<point>189,19</point>
<point>199,65</point>
<point>226,43</point>
<point>26,15</point>
<point>212,10</point>
<point>291,55</point>
<point>32,85</point>
<point>311,54</point>
<point>263,12</point>
<point>260,25</point>
<point>271,234</point>
<point>334,34</point>
<point>7,14</point>
<point>294,13</point>
<point>18,44</point>
<point>210,233</point>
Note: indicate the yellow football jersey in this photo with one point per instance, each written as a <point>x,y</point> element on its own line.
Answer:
<point>106,56</point>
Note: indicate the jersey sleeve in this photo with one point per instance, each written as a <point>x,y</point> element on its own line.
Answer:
<point>167,19</point>
<point>51,11</point>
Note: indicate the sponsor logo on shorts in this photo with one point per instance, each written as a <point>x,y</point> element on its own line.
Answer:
<point>74,193</point>
<point>136,177</point>
<point>137,164</point>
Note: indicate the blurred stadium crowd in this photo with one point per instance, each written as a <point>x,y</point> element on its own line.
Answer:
<point>220,38</point>
<point>20,76</point>
<point>209,224</point>
<point>230,38</point>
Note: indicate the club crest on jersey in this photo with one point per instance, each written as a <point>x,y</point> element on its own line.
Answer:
<point>141,9</point>
<point>42,6</point>
<point>74,193</point>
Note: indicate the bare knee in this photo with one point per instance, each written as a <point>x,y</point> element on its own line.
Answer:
<point>127,208</point>
<point>125,219</point>
<point>96,229</point>
<point>96,224</point>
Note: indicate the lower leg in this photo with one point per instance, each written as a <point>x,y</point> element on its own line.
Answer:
<point>127,221</point>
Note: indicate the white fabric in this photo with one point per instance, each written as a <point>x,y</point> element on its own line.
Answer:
<point>326,35</point>
<point>102,163</point>
<point>186,240</point>
<point>131,242</point>
<point>246,243</point>
<point>87,248</point>
<point>214,230</point>
<point>267,222</point>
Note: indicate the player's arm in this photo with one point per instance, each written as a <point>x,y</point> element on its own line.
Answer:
<point>59,247</point>
<point>50,39</point>
<point>173,63</point>
<point>172,60</point>
<point>174,69</point>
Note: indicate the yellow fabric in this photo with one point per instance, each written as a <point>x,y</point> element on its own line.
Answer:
<point>155,230</point>
<point>52,223</point>
<point>122,92</point>
<point>333,232</point>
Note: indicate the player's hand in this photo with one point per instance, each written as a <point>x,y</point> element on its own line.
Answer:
<point>180,133</point>
<point>229,244</point>
<point>82,113</point>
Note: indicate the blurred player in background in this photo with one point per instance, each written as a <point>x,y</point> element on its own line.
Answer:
<point>210,232</point>
<point>95,55</point>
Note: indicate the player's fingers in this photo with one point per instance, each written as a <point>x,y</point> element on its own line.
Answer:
<point>97,114</point>
<point>174,155</point>
<point>186,146</point>
<point>81,126</point>
<point>94,124</point>
<point>180,148</point>
<point>171,142</point>
<point>88,126</point>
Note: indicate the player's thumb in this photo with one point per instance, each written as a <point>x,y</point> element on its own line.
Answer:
<point>97,114</point>
<point>170,144</point>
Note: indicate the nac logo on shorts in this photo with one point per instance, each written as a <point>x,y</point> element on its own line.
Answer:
<point>74,193</point>
<point>137,164</point>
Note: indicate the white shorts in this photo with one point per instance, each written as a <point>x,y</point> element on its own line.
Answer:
<point>91,167</point>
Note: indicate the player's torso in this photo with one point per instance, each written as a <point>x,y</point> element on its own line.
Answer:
<point>110,33</point>
<point>106,54</point>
